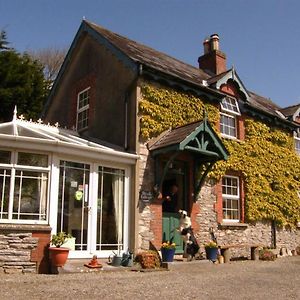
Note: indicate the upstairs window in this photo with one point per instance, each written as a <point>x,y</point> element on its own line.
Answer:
<point>228,117</point>
<point>83,104</point>
<point>230,105</point>
<point>231,198</point>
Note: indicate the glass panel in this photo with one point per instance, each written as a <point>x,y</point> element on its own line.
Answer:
<point>30,195</point>
<point>83,119</point>
<point>5,157</point>
<point>83,99</point>
<point>230,104</point>
<point>32,159</point>
<point>73,203</point>
<point>4,190</point>
<point>110,209</point>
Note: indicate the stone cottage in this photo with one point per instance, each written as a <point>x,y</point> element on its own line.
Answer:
<point>232,154</point>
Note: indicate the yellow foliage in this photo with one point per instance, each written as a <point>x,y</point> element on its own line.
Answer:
<point>266,159</point>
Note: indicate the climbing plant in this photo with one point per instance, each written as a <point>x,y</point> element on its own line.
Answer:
<point>266,159</point>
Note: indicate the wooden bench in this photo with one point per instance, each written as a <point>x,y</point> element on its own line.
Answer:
<point>225,250</point>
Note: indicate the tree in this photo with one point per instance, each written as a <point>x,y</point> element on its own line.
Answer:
<point>51,59</point>
<point>3,42</point>
<point>22,83</point>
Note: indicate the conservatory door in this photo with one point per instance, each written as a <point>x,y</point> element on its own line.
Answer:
<point>110,210</point>
<point>73,214</point>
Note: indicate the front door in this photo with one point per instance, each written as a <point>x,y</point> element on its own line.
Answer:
<point>175,187</point>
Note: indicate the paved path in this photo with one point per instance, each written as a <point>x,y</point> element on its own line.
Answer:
<point>195,280</point>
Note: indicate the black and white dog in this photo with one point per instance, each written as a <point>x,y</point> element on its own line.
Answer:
<point>191,247</point>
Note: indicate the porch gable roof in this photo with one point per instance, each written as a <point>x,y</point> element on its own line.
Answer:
<point>198,137</point>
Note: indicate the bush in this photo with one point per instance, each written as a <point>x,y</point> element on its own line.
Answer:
<point>267,254</point>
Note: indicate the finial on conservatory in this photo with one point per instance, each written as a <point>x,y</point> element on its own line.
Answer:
<point>40,121</point>
<point>15,113</point>
<point>21,117</point>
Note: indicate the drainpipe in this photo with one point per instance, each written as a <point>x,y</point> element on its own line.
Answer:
<point>126,100</point>
<point>273,234</point>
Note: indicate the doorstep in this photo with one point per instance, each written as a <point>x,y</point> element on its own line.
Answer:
<point>77,266</point>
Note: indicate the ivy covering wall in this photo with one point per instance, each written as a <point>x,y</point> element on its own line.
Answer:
<point>266,159</point>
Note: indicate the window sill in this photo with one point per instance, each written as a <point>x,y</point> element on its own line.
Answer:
<point>232,225</point>
<point>24,227</point>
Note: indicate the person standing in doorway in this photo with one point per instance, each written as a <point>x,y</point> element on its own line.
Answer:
<point>170,200</point>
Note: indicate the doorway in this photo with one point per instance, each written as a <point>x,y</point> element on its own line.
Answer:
<point>175,195</point>
<point>93,207</point>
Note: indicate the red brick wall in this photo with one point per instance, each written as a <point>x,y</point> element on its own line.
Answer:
<point>214,61</point>
<point>40,255</point>
<point>156,222</point>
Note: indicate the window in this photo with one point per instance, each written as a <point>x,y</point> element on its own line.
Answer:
<point>231,198</point>
<point>297,145</point>
<point>24,179</point>
<point>83,100</point>
<point>230,105</point>
<point>228,123</point>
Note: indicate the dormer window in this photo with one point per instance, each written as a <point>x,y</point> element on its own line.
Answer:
<point>230,105</point>
<point>83,100</point>
<point>228,120</point>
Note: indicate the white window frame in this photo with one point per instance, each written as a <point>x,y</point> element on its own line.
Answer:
<point>82,109</point>
<point>297,139</point>
<point>235,128</point>
<point>232,197</point>
<point>231,111</point>
<point>13,167</point>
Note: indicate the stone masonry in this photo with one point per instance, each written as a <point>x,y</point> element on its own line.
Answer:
<point>204,218</point>
<point>15,253</point>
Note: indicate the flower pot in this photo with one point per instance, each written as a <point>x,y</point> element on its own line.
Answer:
<point>211,253</point>
<point>58,256</point>
<point>167,254</point>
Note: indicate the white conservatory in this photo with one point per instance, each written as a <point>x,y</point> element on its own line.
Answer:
<point>52,177</point>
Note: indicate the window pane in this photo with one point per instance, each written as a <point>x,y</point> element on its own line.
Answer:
<point>110,209</point>
<point>4,192</point>
<point>230,104</point>
<point>230,190</point>
<point>33,159</point>
<point>228,125</point>
<point>30,195</point>
<point>83,99</point>
<point>5,157</point>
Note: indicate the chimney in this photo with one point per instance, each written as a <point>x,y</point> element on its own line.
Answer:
<point>213,60</point>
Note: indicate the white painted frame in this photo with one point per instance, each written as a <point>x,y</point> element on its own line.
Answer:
<point>234,197</point>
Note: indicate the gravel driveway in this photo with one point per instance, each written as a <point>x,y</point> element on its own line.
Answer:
<point>195,280</point>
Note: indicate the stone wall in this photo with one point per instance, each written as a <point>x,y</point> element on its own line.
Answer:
<point>248,233</point>
<point>15,253</point>
<point>204,218</point>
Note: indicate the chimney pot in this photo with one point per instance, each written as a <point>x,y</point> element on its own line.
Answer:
<point>214,42</point>
<point>206,45</point>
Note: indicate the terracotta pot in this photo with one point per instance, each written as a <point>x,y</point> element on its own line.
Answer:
<point>58,256</point>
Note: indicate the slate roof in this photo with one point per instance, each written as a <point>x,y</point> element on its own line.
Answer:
<point>153,58</point>
<point>290,110</point>
<point>173,136</point>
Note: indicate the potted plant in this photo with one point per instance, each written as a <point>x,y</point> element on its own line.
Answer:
<point>167,251</point>
<point>58,254</point>
<point>211,249</point>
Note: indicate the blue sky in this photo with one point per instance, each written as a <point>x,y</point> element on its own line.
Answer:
<point>260,38</point>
